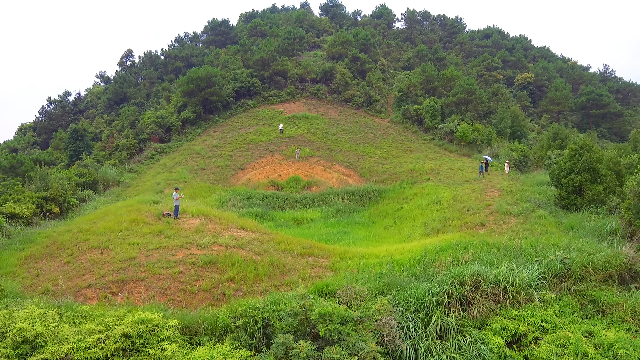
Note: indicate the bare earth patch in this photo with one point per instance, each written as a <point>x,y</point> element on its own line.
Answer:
<point>279,168</point>
<point>240,264</point>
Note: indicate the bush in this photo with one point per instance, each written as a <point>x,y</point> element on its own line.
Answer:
<point>220,352</point>
<point>294,184</point>
<point>631,208</point>
<point>4,231</point>
<point>519,156</point>
<point>581,180</point>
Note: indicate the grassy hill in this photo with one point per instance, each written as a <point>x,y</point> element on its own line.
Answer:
<point>385,246</point>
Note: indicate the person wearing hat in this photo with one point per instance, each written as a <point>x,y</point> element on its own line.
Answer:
<point>176,203</point>
<point>481,169</point>
<point>507,167</point>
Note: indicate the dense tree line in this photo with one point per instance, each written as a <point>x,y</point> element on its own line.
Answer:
<point>480,88</point>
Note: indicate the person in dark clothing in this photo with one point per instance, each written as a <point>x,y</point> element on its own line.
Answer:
<point>486,165</point>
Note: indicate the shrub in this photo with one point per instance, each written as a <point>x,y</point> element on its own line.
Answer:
<point>294,184</point>
<point>519,156</point>
<point>581,180</point>
<point>631,208</point>
<point>4,229</point>
<point>220,352</point>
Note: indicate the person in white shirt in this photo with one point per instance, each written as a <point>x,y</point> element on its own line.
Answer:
<point>176,203</point>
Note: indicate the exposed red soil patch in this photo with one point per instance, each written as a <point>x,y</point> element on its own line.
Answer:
<point>191,276</point>
<point>279,168</point>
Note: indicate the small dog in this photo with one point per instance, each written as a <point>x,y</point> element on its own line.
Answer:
<point>167,214</point>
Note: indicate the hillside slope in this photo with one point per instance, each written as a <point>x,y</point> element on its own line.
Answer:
<point>127,252</point>
<point>384,246</point>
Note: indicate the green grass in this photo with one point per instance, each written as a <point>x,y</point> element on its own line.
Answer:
<point>425,260</point>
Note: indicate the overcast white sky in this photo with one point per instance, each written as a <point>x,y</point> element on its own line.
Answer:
<point>49,46</point>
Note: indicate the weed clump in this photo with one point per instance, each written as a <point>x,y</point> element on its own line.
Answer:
<point>294,184</point>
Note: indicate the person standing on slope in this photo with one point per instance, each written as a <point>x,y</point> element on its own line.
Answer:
<point>176,203</point>
<point>507,167</point>
<point>481,169</point>
<point>486,166</point>
<point>281,127</point>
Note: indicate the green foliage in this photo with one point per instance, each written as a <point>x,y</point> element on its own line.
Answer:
<point>35,331</point>
<point>519,156</point>
<point>511,123</point>
<point>202,92</point>
<point>220,352</point>
<point>581,180</point>
<point>631,207</point>
<point>16,166</point>
<point>344,199</point>
<point>553,140</point>
<point>79,142</point>
<point>557,328</point>
<point>4,231</point>
<point>428,115</point>
<point>294,184</point>
<point>634,140</point>
<point>475,134</point>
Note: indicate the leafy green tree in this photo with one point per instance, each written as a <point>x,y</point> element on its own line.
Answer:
<point>598,109</point>
<point>519,156</point>
<point>412,87</point>
<point>448,128</point>
<point>336,12</point>
<point>57,114</point>
<point>558,100</point>
<point>127,60</point>
<point>431,113</point>
<point>219,34</point>
<point>17,204</point>
<point>79,142</point>
<point>384,15</point>
<point>634,141</point>
<point>464,133</point>
<point>339,45</point>
<point>16,166</point>
<point>511,123</point>
<point>55,192</point>
<point>203,91</point>
<point>554,139</point>
<point>415,25</point>
<point>242,84</point>
<point>579,177</point>
<point>631,208</point>
<point>158,125</point>
<point>466,99</point>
